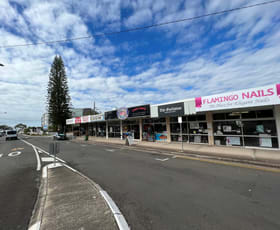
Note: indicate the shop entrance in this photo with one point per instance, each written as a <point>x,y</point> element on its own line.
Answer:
<point>154,129</point>
<point>131,127</point>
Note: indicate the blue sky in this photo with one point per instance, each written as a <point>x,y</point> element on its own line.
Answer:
<point>177,61</point>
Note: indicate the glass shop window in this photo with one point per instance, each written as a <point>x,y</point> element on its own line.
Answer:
<point>248,115</point>
<point>264,113</point>
<point>266,142</point>
<point>227,128</point>
<point>219,116</point>
<point>232,116</point>
<point>198,127</point>
<point>259,127</point>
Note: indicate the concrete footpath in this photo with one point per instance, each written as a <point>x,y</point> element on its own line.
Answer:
<point>68,200</point>
<point>267,157</point>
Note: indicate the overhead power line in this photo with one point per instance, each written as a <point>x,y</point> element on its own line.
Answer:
<point>143,27</point>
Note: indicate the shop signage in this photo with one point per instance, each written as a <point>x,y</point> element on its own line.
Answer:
<point>77,120</point>
<point>176,109</point>
<point>70,121</point>
<point>85,119</point>
<point>122,113</point>
<point>97,117</point>
<point>111,115</point>
<point>139,111</point>
<point>267,95</point>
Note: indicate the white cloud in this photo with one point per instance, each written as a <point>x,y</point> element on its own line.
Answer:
<point>229,52</point>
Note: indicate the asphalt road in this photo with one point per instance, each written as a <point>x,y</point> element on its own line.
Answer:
<point>154,193</point>
<point>19,183</point>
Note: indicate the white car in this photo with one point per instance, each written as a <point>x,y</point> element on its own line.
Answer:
<point>11,135</point>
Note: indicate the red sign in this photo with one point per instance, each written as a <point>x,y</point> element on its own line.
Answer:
<point>77,120</point>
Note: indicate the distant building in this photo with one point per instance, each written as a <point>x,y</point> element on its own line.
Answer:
<point>79,112</point>
<point>45,121</point>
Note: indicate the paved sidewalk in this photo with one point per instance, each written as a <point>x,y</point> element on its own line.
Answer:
<point>69,201</point>
<point>270,157</point>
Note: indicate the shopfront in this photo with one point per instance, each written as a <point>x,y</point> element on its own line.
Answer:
<point>194,129</point>
<point>126,121</point>
<point>154,129</point>
<point>252,127</point>
<point>132,124</point>
<point>113,123</point>
<point>244,118</point>
<point>97,126</point>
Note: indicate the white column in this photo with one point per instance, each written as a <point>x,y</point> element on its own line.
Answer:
<point>209,118</point>
<point>121,129</point>
<point>277,121</point>
<point>107,130</point>
<point>140,129</point>
<point>167,119</point>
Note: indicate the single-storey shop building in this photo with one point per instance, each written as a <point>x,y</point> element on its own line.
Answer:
<point>249,117</point>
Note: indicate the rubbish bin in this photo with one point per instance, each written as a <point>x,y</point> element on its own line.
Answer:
<point>86,137</point>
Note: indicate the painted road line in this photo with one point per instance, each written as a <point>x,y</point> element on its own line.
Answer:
<point>14,154</point>
<point>234,164</point>
<point>36,153</point>
<point>165,159</point>
<point>38,158</point>
<point>47,159</point>
<point>110,150</point>
<point>42,150</point>
<point>51,155</point>
<point>35,226</point>
<point>16,149</point>
<point>1,155</point>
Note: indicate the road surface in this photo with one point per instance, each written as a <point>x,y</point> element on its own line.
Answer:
<point>158,192</point>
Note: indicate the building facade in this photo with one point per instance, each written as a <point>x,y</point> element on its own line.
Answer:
<point>45,121</point>
<point>245,118</point>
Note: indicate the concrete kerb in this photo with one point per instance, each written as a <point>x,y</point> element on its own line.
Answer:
<point>119,218</point>
<point>37,214</point>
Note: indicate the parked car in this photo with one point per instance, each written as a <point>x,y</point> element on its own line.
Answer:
<point>59,136</point>
<point>11,135</point>
<point>2,133</point>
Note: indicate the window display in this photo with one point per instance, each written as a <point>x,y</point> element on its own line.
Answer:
<point>114,129</point>
<point>252,128</point>
<point>131,127</point>
<point>154,129</point>
<point>194,129</point>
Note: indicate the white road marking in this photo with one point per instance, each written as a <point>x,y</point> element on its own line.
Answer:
<point>36,153</point>
<point>47,159</point>
<point>42,150</point>
<point>38,158</point>
<point>1,155</point>
<point>50,166</point>
<point>14,154</point>
<point>174,157</point>
<point>110,150</point>
<point>158,159</point>
<point>35,226</point>
<point>83,145</point>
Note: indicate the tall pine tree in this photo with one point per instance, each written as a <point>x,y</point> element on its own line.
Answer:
<point>58,99</point>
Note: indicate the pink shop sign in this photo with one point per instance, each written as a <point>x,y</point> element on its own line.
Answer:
<point>261,96</point>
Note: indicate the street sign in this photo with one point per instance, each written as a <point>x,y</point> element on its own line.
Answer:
<point>180,120</point>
